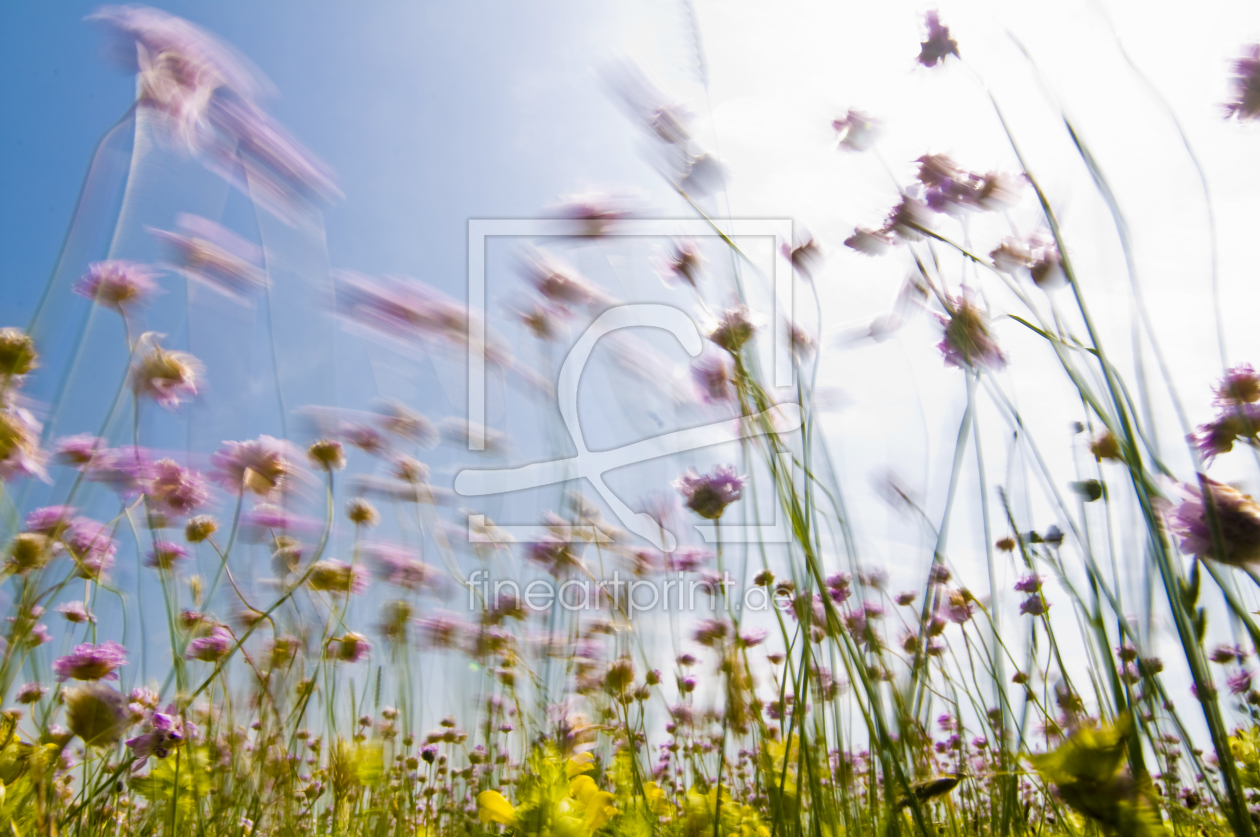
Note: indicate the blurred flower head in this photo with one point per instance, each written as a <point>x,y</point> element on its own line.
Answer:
<point>938,44</point>
<point>708,495</point>
<point>117,284</point>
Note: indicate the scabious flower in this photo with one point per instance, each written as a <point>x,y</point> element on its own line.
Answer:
<point>1246,81</point>
<point>1236,397</point>
<point>166,377</point>
<point>91,662</point>
<point>327,455</point>
<point>28,551</point>
<point>265,466</point>
<point>713,374</point>
<point>78,451</point>
<point>174,490</point>
<point>559,283</point>
<point>1237,514</point>
<point>1038,257</point>
<point>1030,583</point>
<point>938,44</point>
<point>1239,682</point>
<point>214,256</point>
<point>76,612</point>
<point>967,342</point>
<point>683,263</point>
<point>92,545</point>
<point>31,693</point>
<point>206,100</point>
<point>337,577</point>
<point>397,566</point>
<point>126,470</point>
<point>165,553</point>
<point>199,528</point>
<point>211,648</point>
<point>855,131</point>
<point>350,648</point>
<point>597,210</point>
<point>163,731</point>
<point>17,352</point>
<point>20,454</point>
<point>1034,605</point>
<point>949,188</point>
<point>117,284</point>
<point>708,495</point>
<point>97,713</point>
<point>362,513</point>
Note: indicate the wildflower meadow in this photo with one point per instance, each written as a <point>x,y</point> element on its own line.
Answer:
<point>644,519</point>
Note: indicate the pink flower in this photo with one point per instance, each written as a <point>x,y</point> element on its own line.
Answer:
<point>211,648</point>
<point>683,264</point>
<point>174,490</point>
<point>166,377</point>
<point>117,284</point>
<point>76,612</point>
<point>92,545</point>
<point>215,257</point>
<point>938,44</point>
<point>1030,583</point>
<point>91,662</point>
<point>350,648</point>
<point>713,374</point>
<point>265,465</point>
<point>398,566</point>
<point>1246,102</point>
<point>165,553</point>
<point>967,341</point>
<point>20,454</point>
<point>710,494</point>
<point>1237,514</point>
<point>78,451</point>
<point>855,130</point>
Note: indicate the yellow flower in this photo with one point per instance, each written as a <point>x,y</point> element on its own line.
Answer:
<point>581,763</point>
<point>493,806</point>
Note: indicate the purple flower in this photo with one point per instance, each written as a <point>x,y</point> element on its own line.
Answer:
<point>683,264</point>
<point>688,559</point>
<point>1239,682</point>
<point>855,131</point>
<point>165,553</point>
<point>711,632</point>
<point>733,329</point>
<point>959,607</point>
<point>1030,583</point>
<point>713,374</point>
<point>752,637</point>
<point>1241,385</point>
<point>264,465</point>
<point>92,545</point>
<point>967,342</point>
<point>91,662</point>
<point>710,494</point>
<point>350,648</point>
<point>76,612</point>
<point>1237,514</point>
<point>215,257</point>
<point>163,731</point>
<point>166,377</point>
<point>50,520</point>
<point>264,520</point>
<point>559,283</point>
<point>1232,424</point>
<point>117,284</point>
<point>126,470</point>
<point>401,308</point>
<point>1246,81</point>
<point>1034,605</point>
<point>1228,653</point>
<point>599,211</point>
<point>31,693</point>
<point>938,44</point>
<point>174,490</point>
<point>398,566</point>
<point>78,451</point>
<point>211,648</point>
